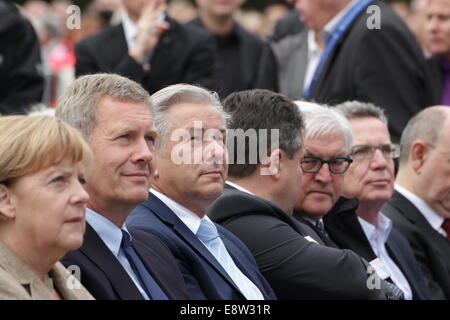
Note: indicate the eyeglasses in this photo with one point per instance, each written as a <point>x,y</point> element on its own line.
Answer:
<point>313,164</point>
<point>367,151</point>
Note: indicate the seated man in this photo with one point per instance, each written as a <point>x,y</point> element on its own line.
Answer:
<point>114,116</point>
<point>191,168</point>
<point>420,205</point>
<point>328,137</point>
<point>362,227</point>
<point>266,151</point>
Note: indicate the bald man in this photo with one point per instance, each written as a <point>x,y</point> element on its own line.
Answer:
<point>420,205</point>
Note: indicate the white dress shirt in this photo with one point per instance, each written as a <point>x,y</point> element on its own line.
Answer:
<point>111,235</point>
<point>377,235</point>
<point>434,219</point>
<point>192,221</point>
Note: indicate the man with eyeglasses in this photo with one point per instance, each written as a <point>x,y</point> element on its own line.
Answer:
<point>420,205</point>
<point>264,183</point>
<point>328,138</point>
<point>359,224</point>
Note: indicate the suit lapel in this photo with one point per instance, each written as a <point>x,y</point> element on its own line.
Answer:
<point>165,214</point>
<point>95,249</point>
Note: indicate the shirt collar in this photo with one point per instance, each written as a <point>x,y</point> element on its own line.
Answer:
<point>312,44</point>
<point>129,28</point>
<point>110,234</point>
<point>333,23</point>
<point>189,218</point>
<point>434,219</point>
<point>239,187</point>
<point>379,231</point>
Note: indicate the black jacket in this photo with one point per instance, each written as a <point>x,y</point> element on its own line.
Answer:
<point>21,80</point>
<point>183,55</point>
<point>295,267</point>
<point>431,249</point>
<point>385,67</point>
<point>345,230</point>
<point>106,279</point>
<point>256,68</point>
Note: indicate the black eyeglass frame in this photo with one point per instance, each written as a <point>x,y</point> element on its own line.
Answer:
<point>348,160</point>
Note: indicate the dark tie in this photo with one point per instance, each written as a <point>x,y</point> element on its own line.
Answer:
<point>397,292</point>
<point>446,227</point>
<point>149,284</point>
<point>321,227</point>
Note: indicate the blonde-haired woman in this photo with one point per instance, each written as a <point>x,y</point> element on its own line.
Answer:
<point>42,206</point>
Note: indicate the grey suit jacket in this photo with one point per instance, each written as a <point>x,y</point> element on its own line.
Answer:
<point>18,282</point>
<point>291,53</point>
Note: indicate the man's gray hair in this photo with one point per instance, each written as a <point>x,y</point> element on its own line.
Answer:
<point>323,121</point>
<point>357,109</point>
<point>426,126</point>
<point>78,105</point>
<point>181,93</point>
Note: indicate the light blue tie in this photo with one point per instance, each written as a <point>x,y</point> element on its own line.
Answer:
<point>208,234</point>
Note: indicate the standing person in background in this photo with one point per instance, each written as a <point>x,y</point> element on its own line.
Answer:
<point>150,48</point>
<point>437,37</point>
<point>243,61</point>
<point>21,81</point>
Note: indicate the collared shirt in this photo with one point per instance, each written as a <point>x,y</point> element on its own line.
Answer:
<point>314,52</point>
<point>111,235</point>
<point>129,28</point>
<point>192,221</point>
<point>434,219</point>
<point>377,235</point>
<point>234,185</point>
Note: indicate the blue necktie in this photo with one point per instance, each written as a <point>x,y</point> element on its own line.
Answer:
<point>321,227</point>
<point>208,234</point>
<point>149,284</point>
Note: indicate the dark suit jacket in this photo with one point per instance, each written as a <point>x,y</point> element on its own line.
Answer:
<point>385,67</point>
<point>21,80</point>
<point>326,240</point>
<point>345,230</point>
<point>291,54</point>
<point>204,276</point>
<point>295,267</point>
<point>257,66</point>
<point>437,77</point>
<point>431,249</point>
<point>106,279</point>
<point>183,54</point>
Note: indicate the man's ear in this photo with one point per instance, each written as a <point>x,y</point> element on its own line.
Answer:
<point>7,203</point>
<point>270,165</point>
<point>418,155</point>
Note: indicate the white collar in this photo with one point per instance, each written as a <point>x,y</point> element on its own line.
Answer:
<point>238,187</point>
<point>110,234</point>
<point>312,43</point>
<point>189,218</point>
<point>332,24</point>
<point>129,28</point>
<point>378,231</point>
<point>434,219</point>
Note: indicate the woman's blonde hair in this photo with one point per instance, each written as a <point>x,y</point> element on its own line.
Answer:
<point>31,143</point>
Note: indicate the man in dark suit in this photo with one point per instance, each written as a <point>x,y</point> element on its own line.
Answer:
<point>150,48</point>
<point>268,180</point>
<point>420,206</point>
<point>370,57</point>
<point>328,137</point>
<point>21,81</point>
<point>114,115</point>
<point>362,226</point>
<point>191,168</point>
<point>437,42</point>
<point>243,60</point>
